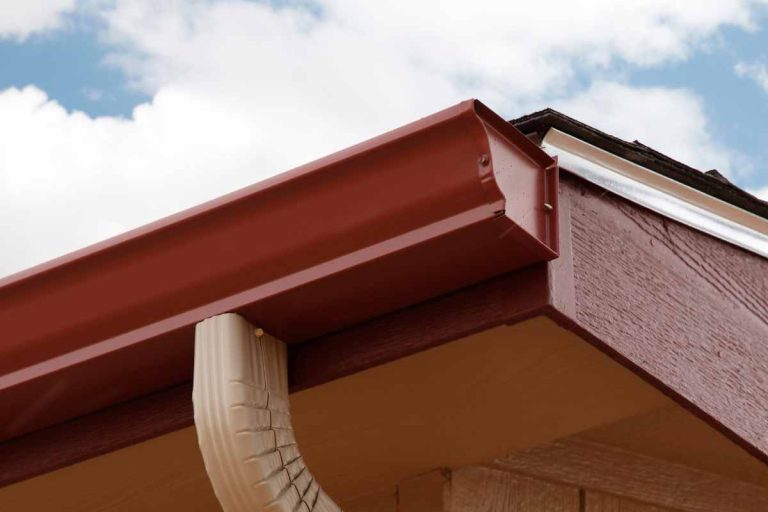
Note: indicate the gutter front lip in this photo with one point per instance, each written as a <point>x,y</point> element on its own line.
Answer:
<point>407,216</point>
<point>207,207</point>
<point>230,303</point>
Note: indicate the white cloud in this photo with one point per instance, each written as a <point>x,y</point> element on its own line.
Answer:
<point>762,193</point>
<point>20,18</point>
<point>755,71</point>
<point>669,120</point>
<point>507,51</point>
<point>241,90</point>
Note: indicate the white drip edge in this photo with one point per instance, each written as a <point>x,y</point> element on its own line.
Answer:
<point>656,192</point>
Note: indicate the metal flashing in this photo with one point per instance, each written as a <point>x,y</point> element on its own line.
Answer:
<point>659,193</point>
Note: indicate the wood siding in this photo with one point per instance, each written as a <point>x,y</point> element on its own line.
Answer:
<point>569,475</point>
<point>636,477</point>
<point>687,311</point>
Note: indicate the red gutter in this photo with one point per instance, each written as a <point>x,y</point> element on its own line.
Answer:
<point>447,201</point>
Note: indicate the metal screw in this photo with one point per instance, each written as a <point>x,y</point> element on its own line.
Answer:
<point>548,207</point>
<point>484,159</point>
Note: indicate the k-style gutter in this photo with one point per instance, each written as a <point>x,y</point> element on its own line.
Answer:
<point>447,201</point>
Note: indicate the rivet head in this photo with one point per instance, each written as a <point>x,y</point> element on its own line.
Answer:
<point>259,332</point>
<point>548,207</point>
<point>484,159</point>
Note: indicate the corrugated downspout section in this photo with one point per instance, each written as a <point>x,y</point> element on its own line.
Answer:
<point>447,201</point>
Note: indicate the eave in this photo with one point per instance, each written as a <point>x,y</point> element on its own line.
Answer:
<point>347,238</point>
<point>683,310</point>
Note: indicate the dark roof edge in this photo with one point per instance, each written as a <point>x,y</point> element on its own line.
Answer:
<point>712,184</point>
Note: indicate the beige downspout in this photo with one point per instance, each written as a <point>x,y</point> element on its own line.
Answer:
<point>243,422</point>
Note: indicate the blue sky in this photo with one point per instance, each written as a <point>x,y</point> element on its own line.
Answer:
<point>69,65</point>
<point>736,106</point>
<point>117,112</point>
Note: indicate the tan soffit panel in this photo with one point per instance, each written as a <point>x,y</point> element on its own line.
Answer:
<point>464,402</point>
<point>162,474</point>
<point>461,403</point>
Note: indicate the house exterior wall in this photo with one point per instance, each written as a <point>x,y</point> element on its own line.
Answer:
<point>569,475</point>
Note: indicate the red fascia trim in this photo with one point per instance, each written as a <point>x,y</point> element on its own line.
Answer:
<point>447,201</point>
